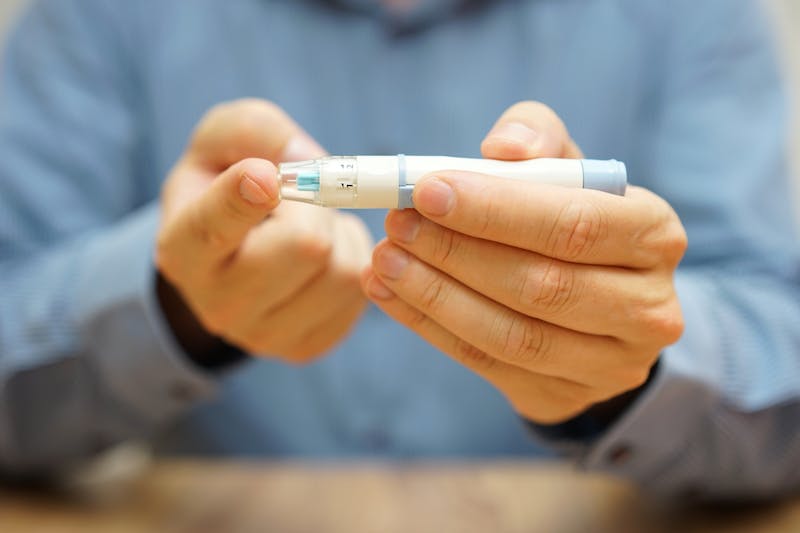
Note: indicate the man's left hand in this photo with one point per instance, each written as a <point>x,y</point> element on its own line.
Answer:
<point>561,298</point>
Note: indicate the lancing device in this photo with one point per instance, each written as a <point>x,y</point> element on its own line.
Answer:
<point>387,182</point>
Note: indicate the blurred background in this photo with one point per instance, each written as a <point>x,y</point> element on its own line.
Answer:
<point>787,22</point>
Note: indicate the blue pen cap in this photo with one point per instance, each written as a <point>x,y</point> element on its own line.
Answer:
<point>609,176</point>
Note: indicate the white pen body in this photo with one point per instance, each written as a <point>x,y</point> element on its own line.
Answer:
<point>565,172</point>
<point>386,182</point>
<point>380,177</point>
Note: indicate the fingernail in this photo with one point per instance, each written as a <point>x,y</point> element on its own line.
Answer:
<point>255,191</point>
<point>434,197</point>
<point>403,225</point>
<point>515,132</point>
<point>301,147</point>
<point>378,290</point>
<point>391,262</point>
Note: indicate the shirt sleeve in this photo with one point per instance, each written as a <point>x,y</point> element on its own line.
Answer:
<point>86,360</point>
<point>719,417</point>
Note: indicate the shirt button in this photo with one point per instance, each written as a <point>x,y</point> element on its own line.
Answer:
<point>620,454</point>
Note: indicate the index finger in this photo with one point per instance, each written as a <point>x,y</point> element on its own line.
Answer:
<point>249,128</point>
<point>576,225</point>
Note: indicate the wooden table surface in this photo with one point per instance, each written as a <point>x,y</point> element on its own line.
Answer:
<point>224,496</point>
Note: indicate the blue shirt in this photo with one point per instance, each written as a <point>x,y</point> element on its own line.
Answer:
<point>99,98</point>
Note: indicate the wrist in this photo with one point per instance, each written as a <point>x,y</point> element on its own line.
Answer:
<point>596,419</point>
<point>201,347</point>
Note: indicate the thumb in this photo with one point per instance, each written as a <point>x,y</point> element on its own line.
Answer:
<point>529,130</point>
<point>209,229</point>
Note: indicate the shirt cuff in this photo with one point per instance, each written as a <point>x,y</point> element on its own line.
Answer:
<point>651,441</point>
<point>123,329</point>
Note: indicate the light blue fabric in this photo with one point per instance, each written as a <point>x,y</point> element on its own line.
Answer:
<point>99,97</point>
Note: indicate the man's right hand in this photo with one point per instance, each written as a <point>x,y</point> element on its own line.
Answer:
<point>281,281</point>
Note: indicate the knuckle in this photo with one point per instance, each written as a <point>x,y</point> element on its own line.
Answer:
<point>434,294</point>
<point>551,289</point>
<point>472,357</point>
<point>664,238</point>
<point>247,103</point>
<point>242,125</point>
<point>577,230</point>
<point>251,109</point>
<point>676,242</point>
<point>266,107</point>
<point>446,247</point>
<point>416,321</point>
<point>490,219</point>
<point>532,107</point>
<point>215,113</point>
<point>648,243</point>
<point>521,341</point>
<point>250,117</point>
<point>255,114</point>
<point>664,322</point>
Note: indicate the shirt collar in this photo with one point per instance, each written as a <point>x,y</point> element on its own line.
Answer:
<point>421,13</point>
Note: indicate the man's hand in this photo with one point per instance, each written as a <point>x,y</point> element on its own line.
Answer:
<point>561,298</point>
<point>275,280</point>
